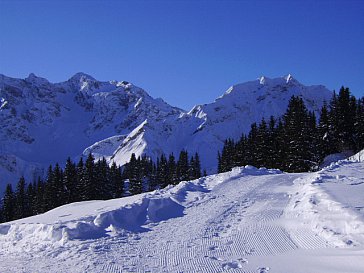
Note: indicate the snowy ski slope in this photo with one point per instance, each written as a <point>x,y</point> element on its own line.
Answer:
<point>246,220</point>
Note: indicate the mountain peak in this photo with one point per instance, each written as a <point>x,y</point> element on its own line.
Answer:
<point>32,78</point>
<point>82,77</point>
<point>262,80</point>
<point>289,78</point>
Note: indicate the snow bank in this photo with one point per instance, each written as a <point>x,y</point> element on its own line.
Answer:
<point>97,219</point>
<point>359,157</point>
<point>127,218</point>
<point>330,201</point>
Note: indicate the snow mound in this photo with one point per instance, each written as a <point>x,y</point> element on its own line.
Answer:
<point>330,201</point>
<point>359,157</point>
<point>129,217</point>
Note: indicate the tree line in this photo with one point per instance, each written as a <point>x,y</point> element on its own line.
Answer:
<point>298,141</point>
<point>92,180</point>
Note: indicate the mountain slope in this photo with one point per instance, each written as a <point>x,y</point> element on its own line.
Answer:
<point>246,220</point>
<point>43,123</point>
<point>205,127</point>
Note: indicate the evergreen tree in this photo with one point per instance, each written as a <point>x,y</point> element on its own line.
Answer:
<point>89,185</point>
<point>1,215</point>
<point>9,203</point>
<point>162,171</point>
<point>342,120</point>
<point>280,144</point>
<point>183,166</point>
<point>262,139</point>
<point>295,129</point>
<point>135,181</point>
<point>20,200</point>
<point>240,151</point>
<point>312,142</point>
<point>30,197</point>
<point>116,181</point>
<point>49,191</point>
<point>271,152</point>
<point>359,125</point>
<point>153,179</point>
<point>38,199</point>
<point>228,155</point>
<point>103,184</point>
<point>251,146</point>
<point>172,170</point>
<point>197,167</point>
<point>346,111</point>
<point>70,182</point>
<point>324,134</point>
<point>81,182</point>
<point>191,170</point>
<point>58,186</point>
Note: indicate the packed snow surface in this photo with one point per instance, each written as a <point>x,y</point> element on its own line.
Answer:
<point>246,220</point>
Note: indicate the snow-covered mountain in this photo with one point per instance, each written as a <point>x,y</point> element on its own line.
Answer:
<point>246,220</point>
<point>43,123</point>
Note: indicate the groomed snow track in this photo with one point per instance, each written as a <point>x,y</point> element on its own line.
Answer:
<point>247,220</point>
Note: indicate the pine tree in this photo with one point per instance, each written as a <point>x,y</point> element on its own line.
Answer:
<point>1,215</point>
<point>191,170</point>
<point>135,181</point>
<point>324,134</point>
<point>58,186</point>
<point>228,155</point>
<point>342,120</point>
<point>197,166</point>
<point>359,125</point>
<point>38,200</point>
<point>103,184</point>
<point>251,147</point>
<point>295,129</point>
<point>271,153</point>
<point>346,111</point>
<point>30,197</point>
<point>280,144</point>
<point>20,199</point>
<point>153,179</point>
<point>261,144</point>
<point>81,182</point>
<point>172,170</point>
<point>49,191</point>
<point>70,182</point>
<point>116,181</point>
<point>89,187</point>
<point>183,166</point>
<point>312,142</point>
<point>240,151</point>
<point>162,172</point>
<point>9,203</point>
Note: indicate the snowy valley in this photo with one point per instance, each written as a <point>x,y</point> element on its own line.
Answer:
<point>245,220</point>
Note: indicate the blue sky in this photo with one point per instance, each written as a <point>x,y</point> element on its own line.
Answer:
<point>187,52</point>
